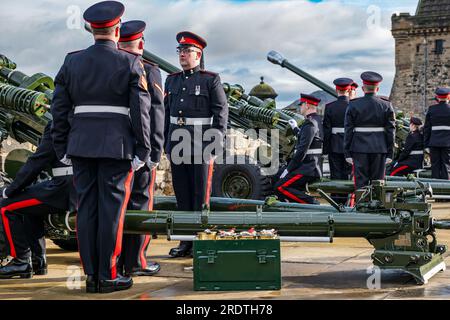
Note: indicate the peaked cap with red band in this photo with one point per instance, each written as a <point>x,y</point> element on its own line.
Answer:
<point>371,78</point>
<point>307,98</point>
<point>355,85</point>
<point>442,93</point>
<point>104,14</point>
<point>132,30</point>
<point>187,38</point>
<point>343,83</point>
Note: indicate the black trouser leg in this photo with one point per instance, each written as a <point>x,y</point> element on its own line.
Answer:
<point>135,246</point>
<point>435,155</point>
<point>35,230</point>
<point>290,187</point>
<point>85,181</point>
<point>377,166</point>
<point>361,169</point>
<point>115,179</point>
<point>339,170</point>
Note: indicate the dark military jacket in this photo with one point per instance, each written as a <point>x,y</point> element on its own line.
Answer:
<point>308,149</point>
<point>365,115</point>
<point>333,125</point>
<point>436,129</point>
<point>157,110</point>
<point>414,145</point>
<point>194,94</point>
<point>57,192</point>
<point>102,75</point>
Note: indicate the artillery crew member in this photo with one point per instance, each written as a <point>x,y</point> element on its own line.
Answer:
<point>369,132</point>
<point>411,157</point>
<point>107,141</point>
<point>304,167</point>
<point>195,103</point>
<point>353,94</point>
<point>25,206</point>
<point>134,258</point>
<point>437,134</point>
<point>333,129</point>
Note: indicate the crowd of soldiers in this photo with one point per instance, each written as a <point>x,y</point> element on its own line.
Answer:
<point>112,120</point>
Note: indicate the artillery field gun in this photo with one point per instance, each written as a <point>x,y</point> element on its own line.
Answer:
<point>393,215</point>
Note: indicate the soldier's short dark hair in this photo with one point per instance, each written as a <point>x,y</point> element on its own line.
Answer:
<point>104,31</point>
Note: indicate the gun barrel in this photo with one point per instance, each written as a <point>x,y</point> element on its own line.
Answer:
<point>23,100</point>
<point>279,59</point>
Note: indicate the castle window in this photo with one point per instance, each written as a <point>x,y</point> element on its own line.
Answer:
<point>418,48</point>
<point>439,46</point>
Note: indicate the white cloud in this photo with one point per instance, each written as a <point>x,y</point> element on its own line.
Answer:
<point>329,39</point>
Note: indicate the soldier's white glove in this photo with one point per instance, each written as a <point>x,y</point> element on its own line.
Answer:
<point>349,160</point>
<point>136,164</point>
<point>4,194</point>
<point>293,124</point>
<point>152,164</point>
<point>427,150</point>
<point>284,174</point>
<point>66,161</point>
<point>388,160</point>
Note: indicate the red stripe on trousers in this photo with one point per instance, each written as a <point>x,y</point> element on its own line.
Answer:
<point>142,252</point>
<point>287,184</point>
<point>119,232</point>
<point>208,182</point>
<point>352,197</point>
<point>151,190</point>
<point>393,173</point>
<point>11,207</point>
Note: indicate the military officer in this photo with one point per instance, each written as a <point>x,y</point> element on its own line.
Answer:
<point>107,141</point>
<point>134,247</point>
<point>24,207</point>
<point>196,113</point>
<point>304,167</point>
<point>333,129</point>
<point>353,93</point>
<point>369,132</point>
<point>437,134</point>
<point>411,157</point>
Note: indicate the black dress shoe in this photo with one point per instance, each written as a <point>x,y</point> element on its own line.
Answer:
<point>39,266</point>
<point>184,249</point>
<point>152,268</point>
<point>119,283</point>
<point>91,284</point>
<point>16,268</point>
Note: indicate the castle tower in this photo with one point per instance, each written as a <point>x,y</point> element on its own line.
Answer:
<point>422,55</point>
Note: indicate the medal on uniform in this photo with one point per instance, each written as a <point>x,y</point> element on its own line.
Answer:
<point>197,90</point>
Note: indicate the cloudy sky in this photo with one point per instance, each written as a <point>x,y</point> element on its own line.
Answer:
<point>328,38</point>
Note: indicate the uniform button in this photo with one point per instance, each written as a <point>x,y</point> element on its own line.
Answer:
<point>182,100</point>
<point>184,89</point>
<point>187,77</point>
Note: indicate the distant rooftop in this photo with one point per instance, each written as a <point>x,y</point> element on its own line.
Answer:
<point>433,8</point>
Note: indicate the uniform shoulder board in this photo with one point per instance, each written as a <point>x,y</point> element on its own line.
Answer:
<point>150,63</point>
<point>174,74</point>
<point>76,51</point>
<point>209,72</point>
<point>329,103</point>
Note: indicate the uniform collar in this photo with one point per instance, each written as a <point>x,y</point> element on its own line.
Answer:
<point>311,114</point>
<point>371,94</point>
<point>191,71</point>
<point>108,43</point>
<point>344,98</point>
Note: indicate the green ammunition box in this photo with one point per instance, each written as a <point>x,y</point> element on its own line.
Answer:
<point>232,265</point>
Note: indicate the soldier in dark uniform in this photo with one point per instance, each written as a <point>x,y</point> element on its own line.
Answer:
<point>196,113</point>
<point>353,93</point>
<point>437,134</point>
<point>134,248</point>
<point>108,140</point>
<point>369,132</point>
<point>304,167</point>
<point>333,129</point>
<point>411,157</point>
<point>24,207</point>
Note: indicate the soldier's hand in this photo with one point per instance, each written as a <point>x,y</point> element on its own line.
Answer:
<point>388,160</point>
<point>4,196</point>
<point>66,161</point>
<point>349,160</point>
<point>152,164</point>
<point>136,164</point>
<point>427,150</point>
<point>293,124</point>
<point>284,174</point>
